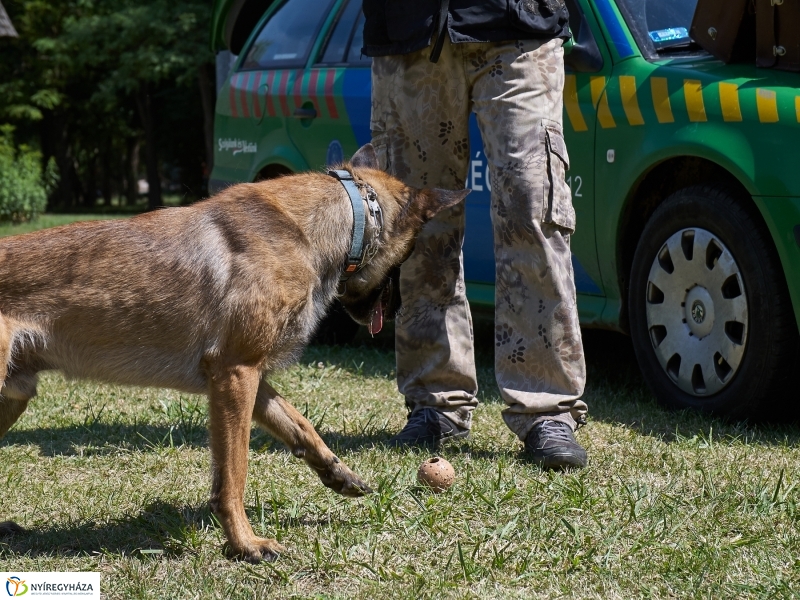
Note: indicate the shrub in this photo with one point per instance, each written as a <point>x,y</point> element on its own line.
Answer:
<point>23,184</point>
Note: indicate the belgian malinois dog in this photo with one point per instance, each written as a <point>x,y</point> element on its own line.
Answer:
<point>212,298</point>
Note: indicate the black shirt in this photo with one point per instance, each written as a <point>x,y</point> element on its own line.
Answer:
<point>403,26</point>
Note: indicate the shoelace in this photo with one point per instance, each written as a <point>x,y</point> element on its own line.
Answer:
<point>554,430</point>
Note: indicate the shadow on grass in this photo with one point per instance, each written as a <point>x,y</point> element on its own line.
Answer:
<point>102,439</point>
<point>616,393</point>
<point>159,529</point>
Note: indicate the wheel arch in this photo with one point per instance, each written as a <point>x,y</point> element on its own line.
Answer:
<point>651,189</point>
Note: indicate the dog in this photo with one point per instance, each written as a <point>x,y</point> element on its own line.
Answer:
<point>212,298</point>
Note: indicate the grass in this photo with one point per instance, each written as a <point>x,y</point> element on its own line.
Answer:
<point>672,505</point>
<point>47,220</point>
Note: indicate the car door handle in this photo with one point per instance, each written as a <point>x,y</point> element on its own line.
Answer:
<point>305,113</point>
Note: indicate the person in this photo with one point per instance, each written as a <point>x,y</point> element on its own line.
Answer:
<point>435,61</point>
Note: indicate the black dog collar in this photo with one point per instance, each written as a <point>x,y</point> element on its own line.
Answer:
<point>359,250</point>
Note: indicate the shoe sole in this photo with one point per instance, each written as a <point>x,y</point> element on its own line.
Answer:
<point>559,462</point>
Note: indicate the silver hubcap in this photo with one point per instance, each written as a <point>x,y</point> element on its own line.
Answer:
<point>697,311</point>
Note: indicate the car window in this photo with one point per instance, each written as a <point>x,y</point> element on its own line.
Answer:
<point>287,37</point>
<point>341,32</point>
<point>660,27</point>
<point>354,56</point>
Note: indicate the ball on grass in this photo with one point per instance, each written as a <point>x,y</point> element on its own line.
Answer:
<point>436,473</point>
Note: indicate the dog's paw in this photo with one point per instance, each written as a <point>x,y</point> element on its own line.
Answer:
<point>257,550</point>
<point>342,480</point>
<point>9,528</point>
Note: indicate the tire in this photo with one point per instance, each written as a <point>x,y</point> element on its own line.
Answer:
<point>337,328</point>
<point>710,315</point>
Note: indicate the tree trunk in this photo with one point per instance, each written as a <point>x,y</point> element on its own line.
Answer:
<point>208,93</point>
<point>105,172</point>
<point>131,170</point>
<point>90,190</point>
<point>57,132</point>
<point>145,106</point>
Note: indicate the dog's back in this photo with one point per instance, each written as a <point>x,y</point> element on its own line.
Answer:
<point>146,300</point>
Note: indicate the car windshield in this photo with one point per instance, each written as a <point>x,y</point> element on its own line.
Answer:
<point>660,26</point>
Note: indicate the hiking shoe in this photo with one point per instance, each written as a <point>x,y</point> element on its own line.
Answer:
<point>551,445</point>
<point>427,427</point>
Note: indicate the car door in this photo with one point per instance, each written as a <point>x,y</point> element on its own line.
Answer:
<point>269,90</point>
<point>333,99</point>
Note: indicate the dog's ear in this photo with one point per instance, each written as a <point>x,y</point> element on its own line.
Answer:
<point>365,157</point>
<point>427,204</point>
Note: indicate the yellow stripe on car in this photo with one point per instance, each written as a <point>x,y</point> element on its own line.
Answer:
<point>627,90</point>
<point>600,100</point>
<point>729,101</point>
<point>660,91</point>
<point>572,105</point>
<point>767,103</point>
<point>797,107</point>
<point>693,92</point>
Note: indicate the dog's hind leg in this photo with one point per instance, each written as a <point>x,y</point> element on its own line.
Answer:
<point>282,420</point>
<point>231,397</point>
<point>10,409</point>
<point>12,402</point>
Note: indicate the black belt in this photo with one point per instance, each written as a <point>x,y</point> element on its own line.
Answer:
<point>442,27</point>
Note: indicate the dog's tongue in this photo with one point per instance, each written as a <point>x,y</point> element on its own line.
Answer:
<point>377,319</point>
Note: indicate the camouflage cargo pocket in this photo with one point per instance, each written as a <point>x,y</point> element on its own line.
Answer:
<point>557,195</point>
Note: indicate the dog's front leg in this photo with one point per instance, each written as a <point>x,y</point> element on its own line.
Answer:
<point>231,398</point>
<point>282,420</point>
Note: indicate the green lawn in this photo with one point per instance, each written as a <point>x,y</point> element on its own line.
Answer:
<point>49,220</point>
<point>672,505</point>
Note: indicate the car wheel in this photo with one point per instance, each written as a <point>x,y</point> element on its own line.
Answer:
<point>337,328</point>
<point>710,314</point>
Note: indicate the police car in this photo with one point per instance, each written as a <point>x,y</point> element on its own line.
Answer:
<point>684,178</point>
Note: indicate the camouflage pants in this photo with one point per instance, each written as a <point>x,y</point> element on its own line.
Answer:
<point>420,113</point>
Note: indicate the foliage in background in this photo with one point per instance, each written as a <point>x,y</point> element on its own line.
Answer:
<point>23,184</point>
<point>97,84</point>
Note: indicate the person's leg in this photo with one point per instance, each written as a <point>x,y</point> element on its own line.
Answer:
<point>539,360</point>
<point>419,124</point>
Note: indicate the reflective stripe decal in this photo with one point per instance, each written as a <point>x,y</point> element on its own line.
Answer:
<point>660,91</point>
<point>312,88</point>
<point>729,101</point>
<point>693,92</point>
<point>269,92</point>
<point>298,89</point>
<point>767,103</point>
<point>330,78</point>
<point>572,105</point>
<point>600,100</point>
<point>243,93</point>
<point>797,108</point>
<point>627,89</point>
<point>256,99</point>
<point>283,89</point>
<point>232,96</point>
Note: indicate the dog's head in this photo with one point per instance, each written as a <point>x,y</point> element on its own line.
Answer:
<point>372,295</point>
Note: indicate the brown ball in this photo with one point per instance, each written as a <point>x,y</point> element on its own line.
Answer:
<point>437,474</point>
